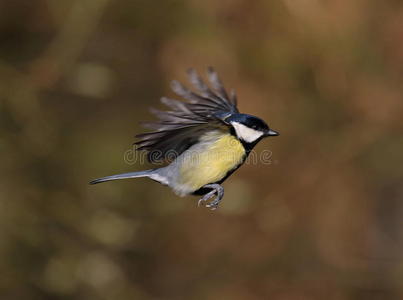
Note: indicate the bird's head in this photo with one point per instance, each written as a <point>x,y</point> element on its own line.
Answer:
<point>248,128</point>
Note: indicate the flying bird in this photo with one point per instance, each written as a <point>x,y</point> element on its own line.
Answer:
<point>205,137</point>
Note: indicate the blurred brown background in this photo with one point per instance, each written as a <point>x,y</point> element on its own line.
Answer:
<point>323,221</point>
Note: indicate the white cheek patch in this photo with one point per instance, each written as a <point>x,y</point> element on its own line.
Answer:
<point>245,133</point>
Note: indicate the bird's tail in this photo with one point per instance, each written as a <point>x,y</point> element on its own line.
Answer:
<point>146,173</point>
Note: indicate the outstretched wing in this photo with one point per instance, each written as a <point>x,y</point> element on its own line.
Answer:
<point>181,126</point>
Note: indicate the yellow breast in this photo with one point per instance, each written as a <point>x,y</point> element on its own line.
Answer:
<point>209,163</point>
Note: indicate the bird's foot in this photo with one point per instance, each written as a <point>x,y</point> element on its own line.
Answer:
<point>216,189</point>
<point>206,197</point>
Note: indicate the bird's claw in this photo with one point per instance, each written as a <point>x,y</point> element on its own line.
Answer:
<point>213,205</point>
<point>200,202</point>
<point>205,198</point>
<point>216,190</point>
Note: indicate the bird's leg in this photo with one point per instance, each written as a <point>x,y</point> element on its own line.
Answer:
<point>216,189</point>
<point>220,194</point>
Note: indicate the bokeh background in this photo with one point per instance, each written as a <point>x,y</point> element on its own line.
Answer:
<point>323,220</point>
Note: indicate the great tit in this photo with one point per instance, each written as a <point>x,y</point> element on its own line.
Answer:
<point>205,136</point>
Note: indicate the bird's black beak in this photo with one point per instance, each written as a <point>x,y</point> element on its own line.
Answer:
<point>271,132</point>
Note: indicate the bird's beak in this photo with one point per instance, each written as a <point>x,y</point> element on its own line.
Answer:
<point>271,132</point>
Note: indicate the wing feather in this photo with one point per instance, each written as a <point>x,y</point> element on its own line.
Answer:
<point>216,83</point>
<point>180,127</point>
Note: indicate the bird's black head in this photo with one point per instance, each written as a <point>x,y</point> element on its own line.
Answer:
<point>248,128</point>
